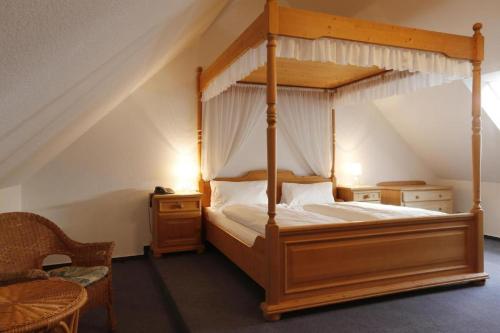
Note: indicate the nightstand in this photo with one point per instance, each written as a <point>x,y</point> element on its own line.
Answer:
<point>359,193</point>
<point>176,223</point>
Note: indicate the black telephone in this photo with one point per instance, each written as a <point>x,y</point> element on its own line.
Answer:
<point>163,190</point>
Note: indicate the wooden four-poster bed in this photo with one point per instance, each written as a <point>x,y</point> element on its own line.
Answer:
<point>308,266</point>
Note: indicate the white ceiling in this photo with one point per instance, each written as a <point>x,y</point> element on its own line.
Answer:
<point>65,64</point>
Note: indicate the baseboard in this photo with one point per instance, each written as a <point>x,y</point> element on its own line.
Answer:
<point>492,237</point>
<point>116,259</point>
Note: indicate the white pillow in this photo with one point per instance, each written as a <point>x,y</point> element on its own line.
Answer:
<point>249,193</point>
<point>302,194</point>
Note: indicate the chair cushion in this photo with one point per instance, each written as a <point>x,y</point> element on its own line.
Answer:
<point>84,276</point>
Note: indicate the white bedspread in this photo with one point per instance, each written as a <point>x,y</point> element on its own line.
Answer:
<point>364,211</point>
<point>255,216</point>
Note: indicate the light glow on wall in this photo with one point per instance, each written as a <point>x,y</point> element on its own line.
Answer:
<point>355,170</point>
<point>186,172</point>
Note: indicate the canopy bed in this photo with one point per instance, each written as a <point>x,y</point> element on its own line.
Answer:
<point>317,264</point>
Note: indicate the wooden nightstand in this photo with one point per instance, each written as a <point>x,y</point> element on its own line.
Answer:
<point>359,193</point>
<point>176,223</point>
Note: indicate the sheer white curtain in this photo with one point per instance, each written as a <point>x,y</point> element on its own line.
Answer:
<point>228,120</point>
<point>305,120</point>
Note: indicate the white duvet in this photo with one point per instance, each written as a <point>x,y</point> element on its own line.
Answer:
<point>363,211</point>
<point>255,217</point>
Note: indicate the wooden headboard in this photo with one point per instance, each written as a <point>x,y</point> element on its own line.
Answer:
<point>283,176</point>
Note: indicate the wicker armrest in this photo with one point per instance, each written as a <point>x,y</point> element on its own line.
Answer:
<point>92,254</point>
<point>28,275</point>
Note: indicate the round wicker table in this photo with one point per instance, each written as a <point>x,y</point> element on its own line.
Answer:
<point>41,306</point>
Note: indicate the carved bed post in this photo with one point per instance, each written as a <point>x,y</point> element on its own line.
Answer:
<point>334,179</point>
<point>272,229</point>
<point>476,141</point>
<point>199,122</point>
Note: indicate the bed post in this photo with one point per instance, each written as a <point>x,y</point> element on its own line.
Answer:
<point>476,141</point>
<point>272,229</point>
<point>199,123</point>
<point>334,179</point>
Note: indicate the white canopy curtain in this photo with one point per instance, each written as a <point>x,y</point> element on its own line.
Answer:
<point>228,119</point>
<point>305,120</point>
<point>433,68</point>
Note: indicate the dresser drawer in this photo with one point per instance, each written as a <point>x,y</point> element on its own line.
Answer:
<point>176,206</point>
<point>178,231</point>
<point>445,206</point>
<point>410,196</point>
<point>367,196</point>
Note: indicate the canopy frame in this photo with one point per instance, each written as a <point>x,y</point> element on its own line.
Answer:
<point>283,21</point>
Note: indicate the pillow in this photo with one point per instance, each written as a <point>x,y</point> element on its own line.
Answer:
<point>302,194</point>
<point>248,193</point>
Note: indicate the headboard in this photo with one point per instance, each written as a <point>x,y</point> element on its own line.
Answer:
<point>283,176</point>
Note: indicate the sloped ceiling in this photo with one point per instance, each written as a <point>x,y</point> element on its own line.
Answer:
<point>65,64</point>
<point>437,124</point>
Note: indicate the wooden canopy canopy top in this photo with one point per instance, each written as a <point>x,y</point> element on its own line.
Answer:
<point>293,262</point>
<point>291,22</point>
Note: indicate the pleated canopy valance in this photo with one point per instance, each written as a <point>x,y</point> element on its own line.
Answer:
<point>412,69</point>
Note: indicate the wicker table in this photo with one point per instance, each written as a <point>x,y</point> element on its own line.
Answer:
<point>41,306</point>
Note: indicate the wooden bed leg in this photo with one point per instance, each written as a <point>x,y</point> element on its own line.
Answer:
<point>479,283</point>
<point>272,316</point>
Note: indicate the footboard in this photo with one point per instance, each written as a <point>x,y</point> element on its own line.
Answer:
<point>340,262</point>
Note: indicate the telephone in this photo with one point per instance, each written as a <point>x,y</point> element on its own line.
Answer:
<point>163,190</point>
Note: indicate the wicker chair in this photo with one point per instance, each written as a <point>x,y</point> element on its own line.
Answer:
<point>26,239</point>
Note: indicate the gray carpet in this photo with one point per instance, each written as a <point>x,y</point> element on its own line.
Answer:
<point>213,295</point>
<point>139,301</point>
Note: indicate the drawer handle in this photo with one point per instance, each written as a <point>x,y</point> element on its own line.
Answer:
<point>179,205</point>
<point>440,209</point>
<point>417,197</point>
<point>366,196</point>
<point>440,195</point>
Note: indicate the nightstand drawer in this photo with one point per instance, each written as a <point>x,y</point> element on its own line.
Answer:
<point>178,231</point>
<point>410,196</point>
<point>367,196</point>
<point>445,206</point>
<point>176,205</point>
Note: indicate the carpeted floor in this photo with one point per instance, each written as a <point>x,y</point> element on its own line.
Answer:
<point>140,303</point>
<point>213,295</point>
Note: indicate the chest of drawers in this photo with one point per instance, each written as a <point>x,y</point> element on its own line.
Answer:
<point>432,197</point>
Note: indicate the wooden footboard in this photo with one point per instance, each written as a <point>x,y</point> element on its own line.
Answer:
<point>335,263</point>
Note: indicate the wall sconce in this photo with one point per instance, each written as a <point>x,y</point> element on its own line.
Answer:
<point>355,170</point>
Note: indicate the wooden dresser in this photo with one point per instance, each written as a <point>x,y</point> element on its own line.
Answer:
<point>432,197</point>
<point>176,223</point>
<point>359,193</point>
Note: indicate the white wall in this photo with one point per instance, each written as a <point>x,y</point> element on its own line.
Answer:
<point>97,189</point>
<point>490,202</point>
<point>10,199</point>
